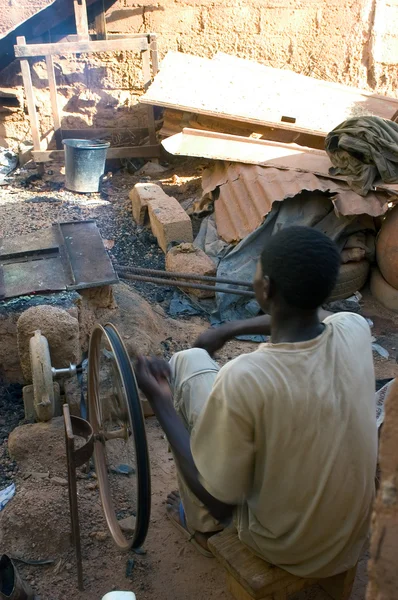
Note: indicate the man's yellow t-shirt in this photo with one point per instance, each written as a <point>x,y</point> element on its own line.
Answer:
<point>289,436</point>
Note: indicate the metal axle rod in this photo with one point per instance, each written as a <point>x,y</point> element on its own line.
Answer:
<point>182,284</point>
<point>189,276</point>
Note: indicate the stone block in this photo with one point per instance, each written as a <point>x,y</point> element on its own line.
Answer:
<point>140,196</point>
<point>185,258</point>
<point>177,20</point>
<point>169,221</point>
<point>245,19</point>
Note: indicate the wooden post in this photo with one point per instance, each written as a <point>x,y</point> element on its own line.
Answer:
<point>30,98</point>
<point>153,41</point>
<point>146,69</point>
<point>54,102</point>
<point>81,19</point>
<point>100,24</point>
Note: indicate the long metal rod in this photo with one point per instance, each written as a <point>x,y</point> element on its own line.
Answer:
<point>181,284</point>
<point>189,276</point>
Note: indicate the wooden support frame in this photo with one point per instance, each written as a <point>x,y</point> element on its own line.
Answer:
<point>145,44</point>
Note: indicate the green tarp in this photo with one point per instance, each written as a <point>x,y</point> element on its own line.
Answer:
<point>365,149</point>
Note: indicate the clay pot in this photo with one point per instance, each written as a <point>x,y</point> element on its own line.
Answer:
<point>387,248</point>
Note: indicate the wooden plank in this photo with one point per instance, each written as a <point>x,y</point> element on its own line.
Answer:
<point>257,577</point>
<point>81,19</point>
<point>257,94</point>
<point>153,42</point>
<point>54,101</point>
<point>133,152</point>
<point>30,98</point>
<point>118,136</point>
<point>175,121</point>
<point>340,586</point>
<point>34,50</point>
<point>100,24</point>
<point>146,69</point>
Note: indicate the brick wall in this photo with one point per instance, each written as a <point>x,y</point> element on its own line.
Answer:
<point>383,574</point>
<point>354,42</point>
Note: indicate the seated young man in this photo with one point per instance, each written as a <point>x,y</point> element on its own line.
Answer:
<point>283,439</point>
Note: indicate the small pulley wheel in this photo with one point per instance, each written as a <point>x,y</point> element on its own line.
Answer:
<point>120,449</point>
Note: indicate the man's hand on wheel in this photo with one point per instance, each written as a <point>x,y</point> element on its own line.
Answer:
<point>153,376</point>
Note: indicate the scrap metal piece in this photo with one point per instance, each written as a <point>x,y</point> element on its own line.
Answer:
<point>75,426</point>
<point>89,260</point>
<point>67,256</point>
<point>39,276</point>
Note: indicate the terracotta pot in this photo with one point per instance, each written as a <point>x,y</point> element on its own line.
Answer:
<point>387,248</point>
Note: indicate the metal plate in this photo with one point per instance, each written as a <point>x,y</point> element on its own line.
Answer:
<point>21,279</point>
<point>67,256</point>
<point>88,258</point>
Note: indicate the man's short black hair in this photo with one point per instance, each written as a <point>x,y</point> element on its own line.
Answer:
<point>303,264</point>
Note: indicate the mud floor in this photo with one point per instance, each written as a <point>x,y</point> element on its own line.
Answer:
<point>35,524</point>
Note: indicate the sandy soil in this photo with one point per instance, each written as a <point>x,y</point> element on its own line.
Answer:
<point>36,522</point>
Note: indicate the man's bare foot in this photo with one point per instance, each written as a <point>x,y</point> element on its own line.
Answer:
<point>173,511</point>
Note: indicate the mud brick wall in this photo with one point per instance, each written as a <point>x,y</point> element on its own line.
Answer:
<point>383,573</point>
<point>354,42</point>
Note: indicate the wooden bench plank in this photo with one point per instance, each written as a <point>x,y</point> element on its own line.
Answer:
<point>257,577</point>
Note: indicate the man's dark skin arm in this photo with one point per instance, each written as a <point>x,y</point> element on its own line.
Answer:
<point>152,378</point>
<point>214,339</point>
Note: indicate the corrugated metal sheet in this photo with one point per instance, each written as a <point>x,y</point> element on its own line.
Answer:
<point>244,195</point>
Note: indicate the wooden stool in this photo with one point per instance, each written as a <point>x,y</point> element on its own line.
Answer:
<point>249,577</point>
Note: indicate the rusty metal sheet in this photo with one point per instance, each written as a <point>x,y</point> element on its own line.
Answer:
<point>243,195</point>
<point>36,276</point>
<point>67,256</point>
<point>42,242</point>
<point>89,262</point>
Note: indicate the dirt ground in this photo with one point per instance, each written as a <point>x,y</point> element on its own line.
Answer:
<point>35,524</point>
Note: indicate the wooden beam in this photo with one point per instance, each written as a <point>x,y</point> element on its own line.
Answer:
<point>34,50</point>
<point>113,153</point>
<point>100,24</point>
<point>30,98</point>
<point>153,42</point>
<point>54,101</point>
<point>128,134</point>
<point>81,19</point>
<point>146,69</point>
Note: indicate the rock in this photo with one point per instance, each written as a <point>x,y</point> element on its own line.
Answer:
<point>61,331</point>
<point>151,168</point>
<point>140,196</point>
<point>38,475</point>
<point>128,524</point>
<point>59,481</point>
<point>101,536</point>
<point>185,258</point>
<point>169,222</point>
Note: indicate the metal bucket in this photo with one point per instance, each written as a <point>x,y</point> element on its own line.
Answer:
<point>84,164</point>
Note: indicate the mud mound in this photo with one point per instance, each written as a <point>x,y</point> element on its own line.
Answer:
<point>39,447</point>
<point>35,523</point>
